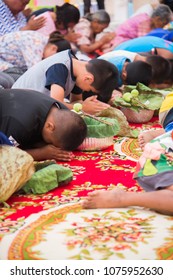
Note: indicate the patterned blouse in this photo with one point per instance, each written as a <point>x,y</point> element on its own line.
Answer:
<point>21,49</point>
<point>134,27</point>
<point>84,29</point>
<point>9,23</point>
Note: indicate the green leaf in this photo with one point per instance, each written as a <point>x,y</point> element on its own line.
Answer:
<point>135,133</point>
<point>148,98</point>
<point>119,101</point>
<point>152,101</point>
<point>124,128</point>
<point>97,129</point>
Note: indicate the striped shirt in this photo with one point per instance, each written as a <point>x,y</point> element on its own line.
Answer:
<point>9,22</point>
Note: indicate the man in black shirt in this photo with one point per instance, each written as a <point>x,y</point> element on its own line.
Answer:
<point>39,124</point>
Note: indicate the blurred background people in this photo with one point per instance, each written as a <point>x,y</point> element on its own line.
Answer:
<point>22,49</point>
<point>13,19</point>
<point>89,27</point>
<point>63,18</point>
<point>87,5</point>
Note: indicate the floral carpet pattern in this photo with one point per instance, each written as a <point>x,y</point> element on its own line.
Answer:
<point>54,225</point>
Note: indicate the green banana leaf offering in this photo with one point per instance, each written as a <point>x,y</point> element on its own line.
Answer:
<point>140,97</point>
<point>41,164</point>
<point>101,127</point>
<point>124,128</point>
<point>47,178</point>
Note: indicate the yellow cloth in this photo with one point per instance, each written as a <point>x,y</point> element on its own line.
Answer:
<point>167,104</point>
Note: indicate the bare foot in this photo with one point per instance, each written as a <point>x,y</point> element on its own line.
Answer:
<point>103,199</point>
<point>147,136</point>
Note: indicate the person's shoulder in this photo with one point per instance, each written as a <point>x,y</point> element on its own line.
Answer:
<point>59,55</point>
<point>143,17</point>
<point>132,21</point>
<point>139,18</point>
<point>41,11</point>
<point>83,22</point>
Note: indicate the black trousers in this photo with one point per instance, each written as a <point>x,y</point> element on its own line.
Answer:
<point>6,81</point>
<point>87,5</point>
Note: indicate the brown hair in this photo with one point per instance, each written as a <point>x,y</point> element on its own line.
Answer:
<point>57,39</point>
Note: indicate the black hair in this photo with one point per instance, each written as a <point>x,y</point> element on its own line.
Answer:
<point>56,38</point>
<point>138,71</point>
<point>169,3</point>
<point>66,14</point>
<point>170,77</point>
<point>101,16</point>
<point>161,68</point>
<point>106,77</point>
<point>71,129</point>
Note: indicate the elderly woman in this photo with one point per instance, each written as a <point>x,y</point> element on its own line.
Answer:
<point>142,24</point>
<point>90,26</point>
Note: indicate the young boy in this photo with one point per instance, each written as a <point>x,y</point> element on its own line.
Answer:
<point>161,67</point>
<point>40,125</point>
<point>130,72</point>
<point>62,75</point>
<point>154,172</point>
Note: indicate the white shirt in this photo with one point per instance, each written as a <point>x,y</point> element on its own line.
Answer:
<point>128,54</point>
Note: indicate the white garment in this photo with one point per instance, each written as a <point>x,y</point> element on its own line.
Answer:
<point>147,8</point>
<point>128,54</point>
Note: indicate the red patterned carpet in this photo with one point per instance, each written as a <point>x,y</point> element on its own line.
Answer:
<point>54,226</point>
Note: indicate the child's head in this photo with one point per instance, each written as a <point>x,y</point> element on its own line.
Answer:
<point>161,68</point>
<point>106,77</point>
<point>99,21</point>
<point>137,71</point>
<point>161,16</point>
<point>170,78</point>
<point>67,16</point>
<point>64,129</point>
<point>168,82</point>
<point>56,43</point>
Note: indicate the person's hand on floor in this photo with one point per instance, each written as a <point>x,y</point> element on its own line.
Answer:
<point>57,153</point>
<point>92,105</point>
<point>50,152</point>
